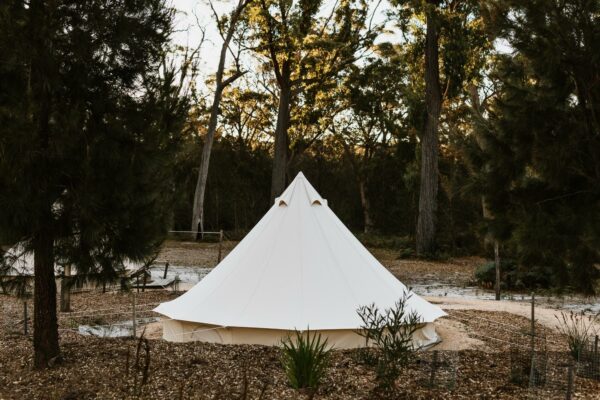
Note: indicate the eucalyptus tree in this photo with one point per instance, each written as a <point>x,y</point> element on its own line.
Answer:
<point>374,117</point>
<point>90,118</point>
<point>228,26</point>
<point>305,48</point>
<point>449,35</point>
<point>248,114</point>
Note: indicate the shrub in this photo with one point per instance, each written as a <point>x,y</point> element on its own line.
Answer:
<point>375,240</point>
<point>513,276</point>
<point>305,359</point>
<point>390,333</point>
<point>578,328</point>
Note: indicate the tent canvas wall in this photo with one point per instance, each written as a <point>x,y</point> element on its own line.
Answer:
<point>299,268</point>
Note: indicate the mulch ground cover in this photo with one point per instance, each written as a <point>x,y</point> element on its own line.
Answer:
<point>95,368</point>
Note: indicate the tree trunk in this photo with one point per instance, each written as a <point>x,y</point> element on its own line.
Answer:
<point>426,223</point>
<point>45,326</point>
<point>198,211</point>
<point>497,265</point>
<point>366,206</point>
<point>65,290</point>
<point>281,140</point>
<point>198,208</point>
<point>487,216</point>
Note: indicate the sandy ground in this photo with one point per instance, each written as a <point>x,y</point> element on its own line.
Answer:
<point>545,316</point>
<point>455,337</point>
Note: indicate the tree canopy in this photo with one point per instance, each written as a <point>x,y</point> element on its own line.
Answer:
<point>90,120</point>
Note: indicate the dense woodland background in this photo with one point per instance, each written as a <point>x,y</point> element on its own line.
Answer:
<point>518,137</point>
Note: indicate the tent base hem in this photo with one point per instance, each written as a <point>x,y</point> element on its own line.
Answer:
<point>184,331</point>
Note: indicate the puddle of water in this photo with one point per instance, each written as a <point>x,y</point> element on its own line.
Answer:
<point>568,303</point>
<point>186,275</point>
<point>189,276</point>
<point>120,329</point>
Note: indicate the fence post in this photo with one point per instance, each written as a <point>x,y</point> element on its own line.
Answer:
<point>25,317</point>
<point>134,317</point>
<point>166,269</point>
<point>433,368</point>
<point>220,244</point>
<point>532,371</point>
<point>497,266</point>
<point>532,323</point>
<point>569,382</point>
<point>65,291</point>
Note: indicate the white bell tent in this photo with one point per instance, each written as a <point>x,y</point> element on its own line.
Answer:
<point>299,268</point>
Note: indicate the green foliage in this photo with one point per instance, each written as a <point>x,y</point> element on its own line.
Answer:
<point>384,241</point>
<point>305,358</point>
<point>463,42</point>
<point>390,335</point>
<point>539,168</point>
<point>90,123</point>
<point>91,115</point>
<point>485,274</point>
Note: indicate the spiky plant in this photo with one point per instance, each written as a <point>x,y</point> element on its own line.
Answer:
<point>305,358</point>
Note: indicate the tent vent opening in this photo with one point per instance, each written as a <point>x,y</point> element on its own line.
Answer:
<point>317,203</point>
<point>282,203</point>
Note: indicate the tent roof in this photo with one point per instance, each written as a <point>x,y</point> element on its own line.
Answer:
<point>298,268</point>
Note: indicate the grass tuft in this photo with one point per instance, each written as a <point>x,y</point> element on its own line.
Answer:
<point>305,358</point>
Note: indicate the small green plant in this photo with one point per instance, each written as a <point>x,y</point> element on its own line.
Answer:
<point>578,328</point>
<point>388,339</point>
<point>305,358</point>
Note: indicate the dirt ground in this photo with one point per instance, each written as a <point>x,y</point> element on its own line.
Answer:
<point>457,271</point>
<point>195,254</point>
<point>95,368</point>
<point>478,335</point>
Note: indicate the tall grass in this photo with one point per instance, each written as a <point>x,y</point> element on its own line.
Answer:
<point>578,328</point>
<point>305,358</point>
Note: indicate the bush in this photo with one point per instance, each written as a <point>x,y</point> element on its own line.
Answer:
<point>513,276</point>
<point>378,241</point>
<point>578,328</point>
<point>390,333</point>
<point>305,359</point>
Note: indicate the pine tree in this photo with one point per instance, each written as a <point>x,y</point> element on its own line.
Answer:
<point>89,123</point>
<point>542,140</point>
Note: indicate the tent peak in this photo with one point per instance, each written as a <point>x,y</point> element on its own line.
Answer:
<point>300,189</point>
